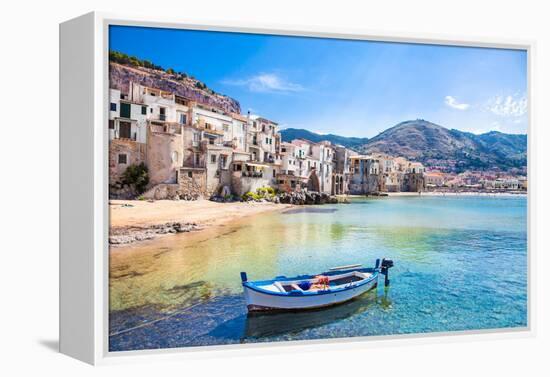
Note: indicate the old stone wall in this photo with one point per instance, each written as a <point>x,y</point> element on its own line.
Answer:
<point>164,156</point>
<point>135,154</point>
<point>192,183</point>
<point>413,182</point>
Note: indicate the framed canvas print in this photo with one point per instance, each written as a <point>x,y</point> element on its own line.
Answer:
<point>232,186</point>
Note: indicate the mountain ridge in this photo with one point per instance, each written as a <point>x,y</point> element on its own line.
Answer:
<point>290,134</point>
<point>437,146</point>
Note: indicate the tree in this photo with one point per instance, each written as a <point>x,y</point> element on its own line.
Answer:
<point>137,177</point>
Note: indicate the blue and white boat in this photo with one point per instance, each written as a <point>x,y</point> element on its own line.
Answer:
<point>338,285</point>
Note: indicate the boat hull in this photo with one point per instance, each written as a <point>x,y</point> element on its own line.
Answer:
<point>257,300</point>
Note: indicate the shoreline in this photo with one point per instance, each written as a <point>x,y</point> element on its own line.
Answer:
<point>434,193</point>
<point>133,221</point>
<point>458,193</point>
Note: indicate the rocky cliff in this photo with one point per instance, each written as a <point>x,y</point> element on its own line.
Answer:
<point>121,75</point>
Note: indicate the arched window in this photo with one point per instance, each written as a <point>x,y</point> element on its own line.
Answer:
<point>174,156</point>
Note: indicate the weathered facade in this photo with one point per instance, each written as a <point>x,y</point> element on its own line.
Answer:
<point>193,151</point>
<point>381,173</point>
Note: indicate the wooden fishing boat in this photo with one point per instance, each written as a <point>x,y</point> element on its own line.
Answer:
<point>338,285</point>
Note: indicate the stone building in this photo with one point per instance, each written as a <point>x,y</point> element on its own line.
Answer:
<point>164,152</point>
<point>288,176</point>
<point>127,134</point>
<point>341,170</point>
<point>382,173</point>
<point>193,150</point>
<point>323,154</point>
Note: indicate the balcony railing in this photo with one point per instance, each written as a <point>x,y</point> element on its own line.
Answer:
<point>253,174</point>
<point>198,165</point>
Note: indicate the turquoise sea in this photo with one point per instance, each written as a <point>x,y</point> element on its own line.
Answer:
<point>460,264</point>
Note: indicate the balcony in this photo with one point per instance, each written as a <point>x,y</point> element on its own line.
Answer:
<point>158,117</point>
<point>125,138</point>
<point>194,165</point>
<point>253,174</point>
<point>166,128</point>
<point>158,93</point>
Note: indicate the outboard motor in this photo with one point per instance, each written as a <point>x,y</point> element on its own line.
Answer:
<point>384,269</point>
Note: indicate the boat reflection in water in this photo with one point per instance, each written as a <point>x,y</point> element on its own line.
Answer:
<point>266,324</point>
<point>260,325</point>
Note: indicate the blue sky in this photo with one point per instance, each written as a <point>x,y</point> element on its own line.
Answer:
<point>351,88</point>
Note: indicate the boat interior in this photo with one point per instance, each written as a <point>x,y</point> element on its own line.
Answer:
<point>318,283</point>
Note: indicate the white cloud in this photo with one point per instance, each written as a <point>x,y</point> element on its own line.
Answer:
<point>509,106</point>
<point>452,102</point>
<point>267,82</point>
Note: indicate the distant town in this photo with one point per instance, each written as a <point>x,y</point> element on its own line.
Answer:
<point>190,150</point>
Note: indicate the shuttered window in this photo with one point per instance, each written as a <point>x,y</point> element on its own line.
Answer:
<point>125,110</point>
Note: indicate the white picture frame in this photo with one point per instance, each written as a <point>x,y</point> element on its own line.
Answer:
<point>84,189</point>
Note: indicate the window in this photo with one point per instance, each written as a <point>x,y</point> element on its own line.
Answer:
<point>162,113</point>
<point>267,140</point>
<point>122,158</point>
<point>174,157</point>
<point>124,130</point>
<point>143,110</point>
<point>226,128</point>
<point>197,159</point>
<point>183,118</point>
<point>113,106</point>
<point>111,124</point>
<point>196,136</point>
<point>223,160</point>
<point>190,174</point>
<point>213,158</point>
<point>125,110</point>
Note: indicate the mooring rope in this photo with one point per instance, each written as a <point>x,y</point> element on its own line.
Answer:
<point>156,320</point>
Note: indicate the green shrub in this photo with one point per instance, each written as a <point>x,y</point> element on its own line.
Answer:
<point>200,85</point>
<point>137,177</point>
<point>251,196</point>
<point>265,192</point>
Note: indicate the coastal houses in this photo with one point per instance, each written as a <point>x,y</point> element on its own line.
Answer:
<point>382,173</point>
<point>194,150</point>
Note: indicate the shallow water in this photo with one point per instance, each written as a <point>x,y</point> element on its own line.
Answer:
<point>460,264</point>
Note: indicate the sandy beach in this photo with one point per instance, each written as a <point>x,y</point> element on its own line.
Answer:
<point>135,220</point>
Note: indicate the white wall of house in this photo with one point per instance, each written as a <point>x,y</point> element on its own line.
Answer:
<point>238,134</point>
<point>137,119</point>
